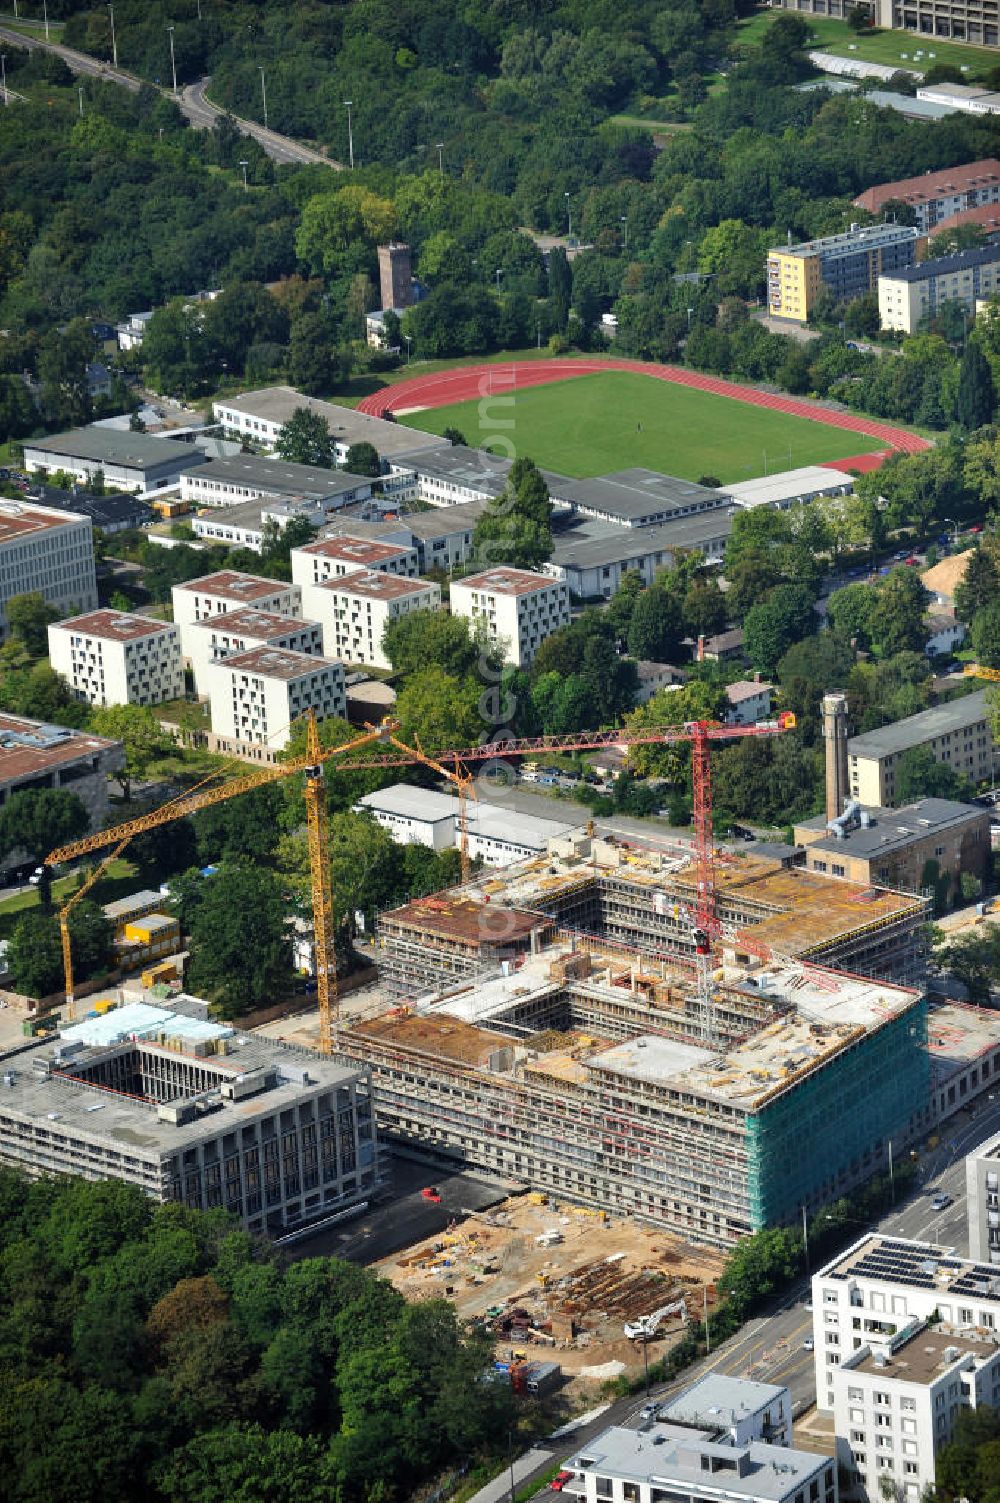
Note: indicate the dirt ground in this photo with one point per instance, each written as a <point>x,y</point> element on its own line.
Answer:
<point>572,1295</point>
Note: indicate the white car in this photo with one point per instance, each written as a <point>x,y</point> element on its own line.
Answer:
<point>940,1202</point>
<point>808,1344</point>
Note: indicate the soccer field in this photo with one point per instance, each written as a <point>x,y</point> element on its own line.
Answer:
<point>593,425</point>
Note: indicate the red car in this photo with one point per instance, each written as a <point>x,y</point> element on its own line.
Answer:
<point>559,1482</point>
<point>431,1192</point>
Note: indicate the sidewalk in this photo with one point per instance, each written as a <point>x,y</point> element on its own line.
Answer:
<point>499,1489</point>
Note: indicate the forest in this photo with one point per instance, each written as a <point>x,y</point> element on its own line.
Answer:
<point>155,1352</point>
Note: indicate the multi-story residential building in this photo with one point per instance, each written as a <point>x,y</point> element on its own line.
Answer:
<point>958,733</point>
<point>934,196</point>
<point>259,416</point>
<point>114,658</point>
<point>35,756</point>
<point>736,1408</point>
<point>256,696</point>
<point>665,1462</point>
<point>355,611</point>
<point>880,1286</point>
<point>961,20</point>
<point>218,594</point>
<point>896,1401</point>
<point>191,1111</point>
<point>894,847</point>
<point>236,478</point>
<point>749,701</point>
<point>129,461</point>
<point>518,608</point>
<point>219,637</point>
<point>336,557</point>
<point>48,552</point>
<point>912,293</point>
<point>848,265</point>
<point>982,1189</point>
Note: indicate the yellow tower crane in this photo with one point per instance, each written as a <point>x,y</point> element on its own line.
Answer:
<point>311,764</point>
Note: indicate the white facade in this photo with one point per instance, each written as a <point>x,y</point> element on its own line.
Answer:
<point>255,696</point>
<point>748,702</point>
<point>743,1409</point>
<point>49,552</point>
<point>414,816</point>
<point>882,1285</point>
<point>259,416</point>
<point>218,594</point>
<point>243,526</point>
<point>790,487</point>
<point>355,611</point>
<point>501,837</point>
<point>219,637</point>
<point>336,557</point>
<point>907,297</point>
<point>982,1188</point>
<point>896,1403</point>
<point>944,634</point>
<point>518,608</point>
<point>113,658</point>
<point>236,478</point>
<point>496,836</point>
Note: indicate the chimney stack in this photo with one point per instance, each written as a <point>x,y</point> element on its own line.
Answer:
<point>835,736</point>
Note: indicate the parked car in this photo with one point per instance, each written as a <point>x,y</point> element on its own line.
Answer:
<point>649,1411</point>
<point>808,1344</point>
<point>560,1480</point>
<point>940,1202</point>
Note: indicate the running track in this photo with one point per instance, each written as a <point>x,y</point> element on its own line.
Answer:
<point>463,382</point>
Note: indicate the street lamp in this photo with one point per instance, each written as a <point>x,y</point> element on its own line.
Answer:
<point>350,132</point>
<point>569,218</point>
<point>79,90</point>
<point>409,342</point>
<point>805,1237</point>
<point>440,152</point>
<point>690,312</point>
<point>114,43</point>
<point>263,96</point>
<point>173,64</point>
<point>45,14</point>
<point>244,164</point>
<point>624,222</point>
<point>3,72</point>
<point>499,274</point>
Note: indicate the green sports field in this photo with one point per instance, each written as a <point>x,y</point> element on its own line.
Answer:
<point>592,425</point>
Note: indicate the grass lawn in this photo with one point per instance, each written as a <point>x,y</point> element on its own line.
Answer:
<point>590,426</point>
<point>661,127</point>
<point>894,48</point>
<point>120,879</point>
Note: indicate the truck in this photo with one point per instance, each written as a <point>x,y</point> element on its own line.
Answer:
<point>646,1326</point>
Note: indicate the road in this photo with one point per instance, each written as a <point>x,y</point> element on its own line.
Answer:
<point>192,101</point>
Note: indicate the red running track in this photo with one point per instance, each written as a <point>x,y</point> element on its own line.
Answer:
<point>463,382</point>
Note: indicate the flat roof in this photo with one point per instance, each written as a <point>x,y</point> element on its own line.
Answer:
<point>472,469</point>
<point>957,1035</point>
<point>638,492</point>
<point>144,898</point>
<point>930,186</point>
<point>673,1454</point>
<point>275,662</point>
<point>769,490</point>
<point>914,1265</point>
<point>114,626</point>
<point>464,921</point>
<point>895,829</point>
<point>134,451</point>
<point>18,520</point>
<point>503,581</point>
<point>276,404</point>
<point>940,720</point>
<point>279,477</point>
<point>447,1037</point>
<point>493,822</point>
<point>229,584</point>
<point>406,801</point>
<point>925,1356</point>
<point>589,544</point>
<point>251,623</point>
<point>848,240</point>
<point>30,747</point>
<point>944,266</point>
<point>363,551</point>
<point>106,511</point>
<point>718,1399</point>
<point>376,585</point>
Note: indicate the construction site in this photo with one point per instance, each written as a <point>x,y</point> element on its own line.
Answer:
<point>558,1281</point>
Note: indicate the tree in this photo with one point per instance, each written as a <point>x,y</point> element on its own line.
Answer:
<point>338,229</point>
<point>985,634</point>
<point>850,611</point>
<point>897,618</point>
<point>138,729</point>
<point>976,399</point>
<point>38,820</point>
<point>515,527</point>
<point>241,949</point>
<point>28,617</point>
<point>771,627</point>
<point>760,1265</point>
<point>656,627</point>
<point>305,439</point>
<point>440,709</point>
<point>362,459</point>
<point>919,774</point>
<point>35,951</point>
<point>425,639</point>
<point>455,437</point>
<point>246,827</point>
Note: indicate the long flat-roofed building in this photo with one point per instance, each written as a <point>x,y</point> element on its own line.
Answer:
<point>46,551</point>
<point>225,591</point>
<point>191,1111</point>
<point>639,497</point>
<point>593,556</point>
<point>218,637</point>
<point>958,733</point>
<point>236,478</point>
<point>982,1189</point>
<point>34,756</point>
<point>128,461</point>
<point>259,416</point>
<point>116,658</point>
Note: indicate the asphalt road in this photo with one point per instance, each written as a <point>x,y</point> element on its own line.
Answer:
<point>80,62</point>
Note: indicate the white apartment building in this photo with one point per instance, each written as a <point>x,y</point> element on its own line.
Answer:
<point>896,1403</point>
<point>219,637</point>
<point>256,696</point>
<point>982,1188</point>
<point>48,552</point>
<point>666,1463</point>
<point>882,1285</point>
<point>227,590</point>
<point>336,557</point>
<point>519,608</point>
<point>355,611</point>
<point>738,1407</point>
<point>114,658</point>
<point>916,292</point>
